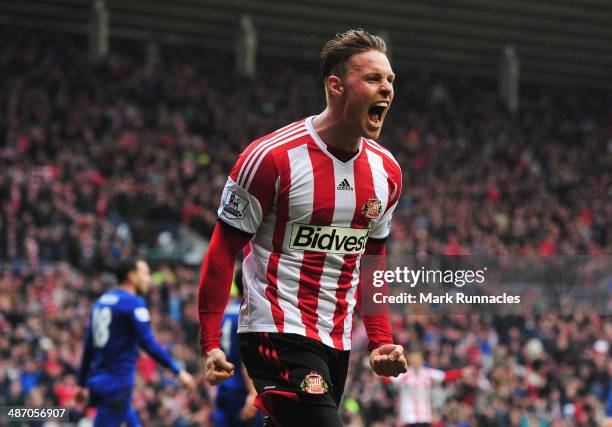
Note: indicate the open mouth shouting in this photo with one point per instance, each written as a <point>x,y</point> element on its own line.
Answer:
<point>377,112</point>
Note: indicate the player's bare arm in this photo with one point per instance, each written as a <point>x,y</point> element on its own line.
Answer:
<point>248,410</point>
<point>187,380</point>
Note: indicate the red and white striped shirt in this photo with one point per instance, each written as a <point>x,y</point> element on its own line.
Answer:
<point>311,215</point>
<point>415,395</point>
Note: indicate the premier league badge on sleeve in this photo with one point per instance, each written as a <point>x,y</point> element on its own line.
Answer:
<point>372,208</point>
<point>313,383</point>
<point>234,205</point>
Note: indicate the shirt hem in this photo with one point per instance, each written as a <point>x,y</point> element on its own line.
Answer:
<point>286,330</point>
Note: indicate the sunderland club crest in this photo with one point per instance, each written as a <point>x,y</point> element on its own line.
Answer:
<point>313,383</point>
<point>372,208</point>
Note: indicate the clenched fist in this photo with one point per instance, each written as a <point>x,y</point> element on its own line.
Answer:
<point>388,360</point>
<point>216,367</point>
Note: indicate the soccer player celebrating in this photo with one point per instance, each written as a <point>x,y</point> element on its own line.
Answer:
<point>119,324</point>
<point>309,199</point>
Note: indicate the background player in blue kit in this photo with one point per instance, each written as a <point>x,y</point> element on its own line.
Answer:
<point>234,404</point>
<point>119,324</point>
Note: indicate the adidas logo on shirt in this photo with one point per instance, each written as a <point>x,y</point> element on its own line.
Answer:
<point>344,185</point>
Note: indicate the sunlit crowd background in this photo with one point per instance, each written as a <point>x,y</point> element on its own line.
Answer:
<point>96,161</point>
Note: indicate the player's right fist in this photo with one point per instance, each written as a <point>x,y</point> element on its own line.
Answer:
<point>216,367</point>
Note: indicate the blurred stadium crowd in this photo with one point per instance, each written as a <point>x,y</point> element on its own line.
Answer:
<point>97,160</point>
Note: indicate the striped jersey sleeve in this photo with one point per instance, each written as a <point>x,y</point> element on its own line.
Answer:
<point>252,186</point>
<point>393,174</point>
<point>244,208</point>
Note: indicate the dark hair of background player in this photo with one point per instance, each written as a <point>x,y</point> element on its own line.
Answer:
<point>123,269</point>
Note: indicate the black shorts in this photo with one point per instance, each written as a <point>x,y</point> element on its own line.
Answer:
<point>296,367</point>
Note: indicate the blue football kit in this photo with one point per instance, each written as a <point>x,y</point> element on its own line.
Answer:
<point>232,393</point>
<point>119,323</point>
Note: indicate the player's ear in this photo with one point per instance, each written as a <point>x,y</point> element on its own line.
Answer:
<point>335,85</point>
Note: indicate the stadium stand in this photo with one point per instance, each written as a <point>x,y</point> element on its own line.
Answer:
<point>97,161</point>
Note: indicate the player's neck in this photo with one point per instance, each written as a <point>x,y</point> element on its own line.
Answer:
<point>335,132</point>
<point>131,289</point>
